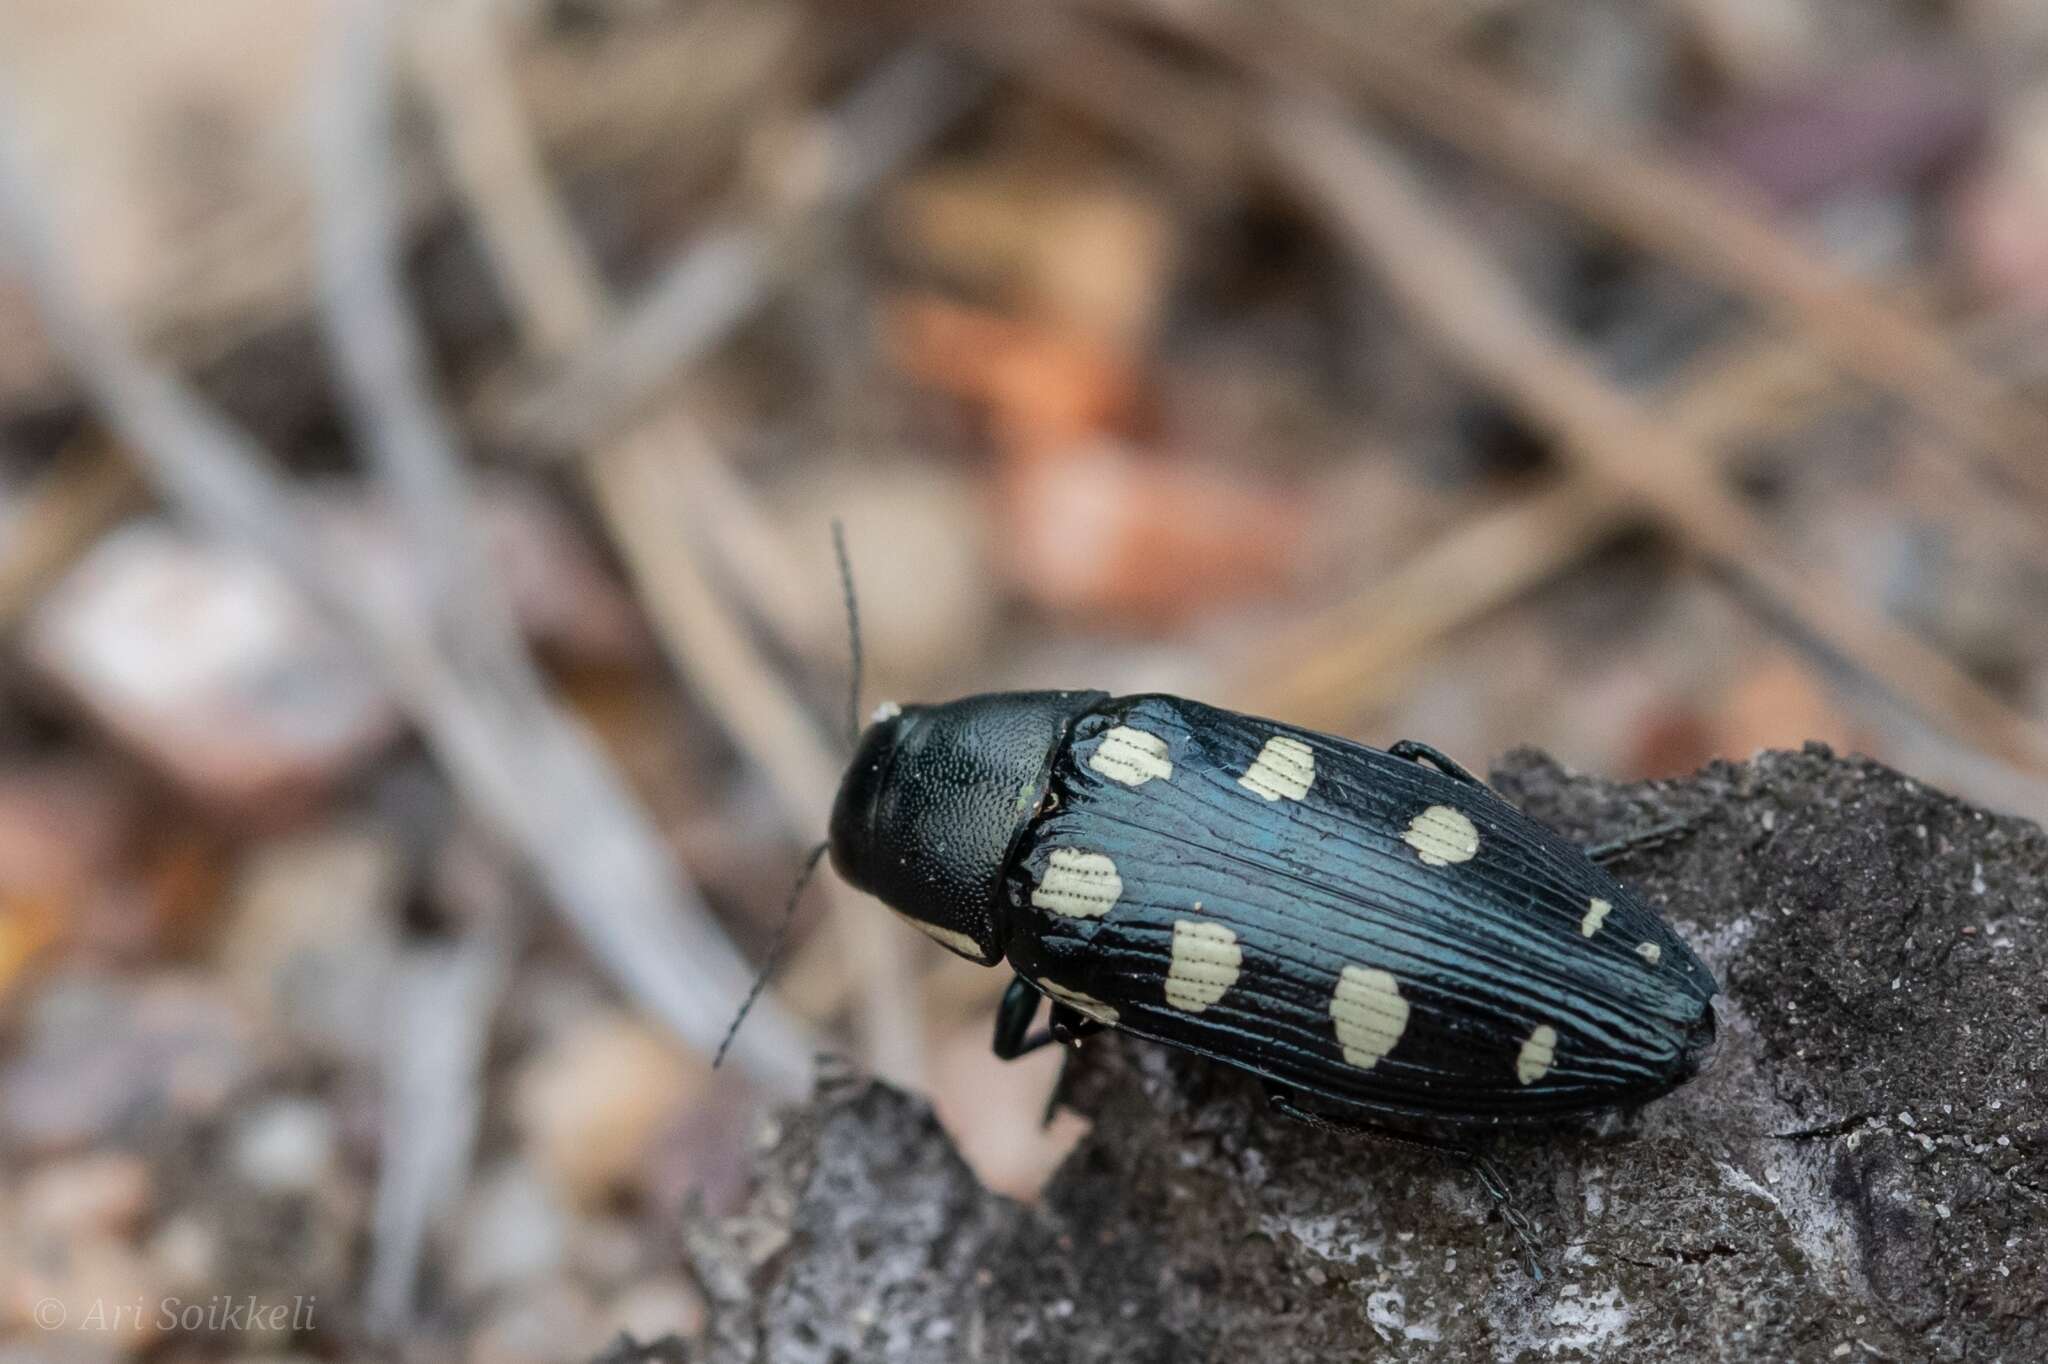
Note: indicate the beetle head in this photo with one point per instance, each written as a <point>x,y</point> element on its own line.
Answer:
<point>935,800</point>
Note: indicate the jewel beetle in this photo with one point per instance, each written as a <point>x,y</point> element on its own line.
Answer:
<point>1378,936</point>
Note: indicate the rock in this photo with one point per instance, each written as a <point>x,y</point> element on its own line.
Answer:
<point>186,1252</point>
<point>207,663</point>
<point>103,1194</point>
<point>285,1146</point>
<point>591,1104</point>
<point>550,1324</point>
<point>96,1293</point>
<point>606,1252</point>
<point>104,1054</point>
<point>312,935</point>
<point>514,1231</point>
<point>654,1308</point>
<point>1852,1178</point>
<point>558,589</point>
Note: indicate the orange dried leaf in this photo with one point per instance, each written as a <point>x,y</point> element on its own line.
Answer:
<point>28,926</point>
<point>1106,531</point>
<point>1044,389</point>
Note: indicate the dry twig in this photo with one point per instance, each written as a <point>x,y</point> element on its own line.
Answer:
<point>663,484</point>
<point>1471,306</point>
<point>442,1001</point>
<point>1642,197</point>
<point>723,276</point>
<point>89,490</point>
<point>528,771</point>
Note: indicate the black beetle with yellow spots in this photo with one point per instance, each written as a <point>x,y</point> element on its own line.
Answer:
<point>1378,936</point>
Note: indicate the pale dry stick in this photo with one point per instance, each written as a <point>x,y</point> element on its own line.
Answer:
<point>69,508</point>
<point>685,79</point>
<point>656,486</point>
<point>550,280</point>
<point>727,272</point>
<point>439,1007</point>
<point>589,821</point>
<point>1195,126</point>
<point>1446,282</point>
<point>645,483</point>
<point>442,1000</point>
<point>532,779</point>
<point>560,298</point>
<point>1358,654</point>
<point>378,353</point>
<point>1643,197</point>
<point>681,85</point>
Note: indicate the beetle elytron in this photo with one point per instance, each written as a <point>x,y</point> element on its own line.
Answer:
<point>1376,934</point>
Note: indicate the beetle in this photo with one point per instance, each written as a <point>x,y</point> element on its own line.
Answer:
<point>1375,934</point>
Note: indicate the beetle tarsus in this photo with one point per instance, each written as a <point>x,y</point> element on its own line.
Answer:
<point>1416,751</point>
<point>1641,841</point>
<point>1496,1185</point>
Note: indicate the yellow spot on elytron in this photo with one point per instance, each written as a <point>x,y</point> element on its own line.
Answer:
<point>1594,914</point>
<point>1284,767</point>
<point>1441,836</point>
<point>1537,1054</point>
<point>1206,963</point>
<point>1080,1003</point>
<point>944,937</point>
<point>1369,1013</point>
<point>1131,756</point>
<point>1651,952</point>
<point>1080,885</point>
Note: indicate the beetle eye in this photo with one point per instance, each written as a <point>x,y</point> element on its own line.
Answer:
<point>1046,805</point>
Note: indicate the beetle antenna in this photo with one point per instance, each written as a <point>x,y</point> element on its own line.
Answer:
<point>768,963</point>
<point>852,632</point>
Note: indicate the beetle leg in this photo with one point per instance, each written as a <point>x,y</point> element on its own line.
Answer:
<point>1013,1021</point>
<point>1642,840</point>
<point>1490,1177</point>
<point>1283,1102</point>
<point>1019,1006</point>
<point>1415,751</point>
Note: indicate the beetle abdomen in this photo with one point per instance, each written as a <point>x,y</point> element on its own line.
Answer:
<point>1352,924</point>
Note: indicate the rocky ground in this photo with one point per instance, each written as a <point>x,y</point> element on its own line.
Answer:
<point>1863,1174</point>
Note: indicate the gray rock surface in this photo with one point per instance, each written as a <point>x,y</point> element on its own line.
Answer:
<point>1862,1175</point>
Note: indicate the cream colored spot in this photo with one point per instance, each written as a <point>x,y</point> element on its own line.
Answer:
<point>888,710</point>
<point>1131,756</point>
<point>1369,1013</point>
<point>1651,953</point>
<point>1284,767</point>
<point>1537,1054</point>
<point>1594,914</point>
<point>1206,963</point>
<point>944,937</point>
<point>1080,1003</point>
<point>1441,836</point>
<point>1080,885</point>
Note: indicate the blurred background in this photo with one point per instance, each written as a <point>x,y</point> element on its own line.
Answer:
<point>422,660</point>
